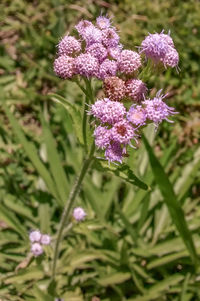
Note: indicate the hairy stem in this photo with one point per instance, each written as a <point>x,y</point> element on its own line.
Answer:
<point>67,209</point>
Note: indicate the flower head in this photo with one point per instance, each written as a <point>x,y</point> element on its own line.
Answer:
<point>135,89</point>
<point>123,132</point>
<point>86,65</point>
<point>160,48</point>
<point>79,214</point>
<point>137,115</point>
<point>69,46</point>
<point>115,52</point>
<point>64,66</point>
<point>103,22</point>
<point>114,152</point>
<point>107,68</point>
<point>155,46</point>
<point>171,58</point>
<point>98,51</point>
<point>92,35</point>
<point>114,88</point>
<point>45,239</point>
<point>108,111</point>
<point>36,249</point>
<point>167,38</point>
<point>82,26</point>
<point>102,137</point>
<point>110,38</point>
<point>157,110</point>
<point>129,61</point>
<point>35,236</point>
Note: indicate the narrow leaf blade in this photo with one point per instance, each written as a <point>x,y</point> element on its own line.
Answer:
<point>31,152</point>
<point>170,199</point>
<point>55,163</point>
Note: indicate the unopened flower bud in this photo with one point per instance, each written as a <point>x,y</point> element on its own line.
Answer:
<point>36,249</point>
<point>114,88</point>
<point>79,214</point>
<point>64,66</point>
<point>129,61</point>
<point>35,236</point>
<point>45,239</point>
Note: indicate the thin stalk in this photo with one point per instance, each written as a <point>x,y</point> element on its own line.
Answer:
<point>67,209</point>
<point>89,95</point>
<point>80,86</point>
<point>84,126</point>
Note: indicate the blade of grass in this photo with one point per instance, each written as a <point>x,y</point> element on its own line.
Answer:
<point>11,220</point>
<point>31,152</point>
<point>55,163</point>
<point>74,113</point>
<point>159,288</point>
<point>132,207</point>
<point>170,199</point>
<point>41,295</point>
<point>185,286</point>
<point>188,174</point>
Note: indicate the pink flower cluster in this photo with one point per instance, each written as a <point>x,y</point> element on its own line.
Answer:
<point>98,53</point>
<point>37,240</point>
<point>160,48</point>
<point>118,126</point>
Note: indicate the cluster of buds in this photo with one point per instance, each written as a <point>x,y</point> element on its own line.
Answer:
<point>94,53</point>
<point>37,241</point>
<point>98,53</point>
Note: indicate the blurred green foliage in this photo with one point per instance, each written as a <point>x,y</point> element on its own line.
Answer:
<point>128,248</point>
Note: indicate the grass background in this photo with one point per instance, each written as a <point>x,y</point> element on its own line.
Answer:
<point>129,247</point>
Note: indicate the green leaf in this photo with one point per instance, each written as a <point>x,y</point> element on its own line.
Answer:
<point>41,295</point>
<point>44,217</point>
<point>11,220</point>
<point>156,290</point>
<point>79,259</point>
<point>74,113</point>
<point>114,278</point>
<point>100,201</point>
<point>31,152</point>
<point>174,207</point>
<point>189,172</point>
<point>55,163</point>
<point>17,206</point>
<point>185,286</point>
<point>149,179</point>
<point>124,172</point>
<point>73,296</point>
<point>26,275</point>
<point>127,224</point>
<point>166,259</point>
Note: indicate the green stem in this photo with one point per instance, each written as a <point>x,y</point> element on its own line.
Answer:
<point>89,95</point>
<point>80,86</point>
<point>88,99</point>
<point>84,126</point>
<point>68,206</point>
